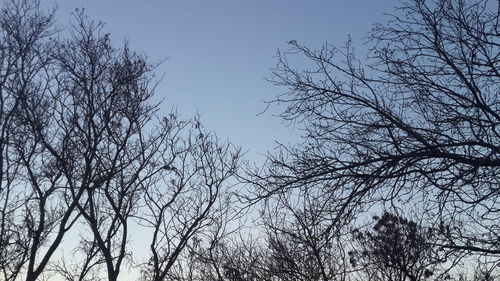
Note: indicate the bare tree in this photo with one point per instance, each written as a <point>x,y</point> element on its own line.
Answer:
<point>291,241</point>
<point>192,197</point>
<point>24,193</point>
<point>239,256</point>
<point>225,250</point>
<point>85,263</point>
<point>301,243</point>
<point>84,151</point>
<point>418,124</point>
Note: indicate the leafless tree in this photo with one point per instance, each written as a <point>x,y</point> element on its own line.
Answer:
<point>301,243</point>
<point>237,257</point>
<point>84,151</point>
<point>83,263</point>
<point>100,99</point>
<point>225,251</point>
<point>292,241</point>
<point>417,124</point>
<point>192,197</point>
<point>24,193</point>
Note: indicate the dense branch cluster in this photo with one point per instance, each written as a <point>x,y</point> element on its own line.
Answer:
<point>84,155</point>
<point>413,129</point>
<point>418,124</point>
<point>409,137</point>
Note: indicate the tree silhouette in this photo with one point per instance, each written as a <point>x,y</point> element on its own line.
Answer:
<point>416,124</point>
<point>85,154</point>
<point>397,249</point>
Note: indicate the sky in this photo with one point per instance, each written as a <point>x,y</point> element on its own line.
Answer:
<point>218,53</point>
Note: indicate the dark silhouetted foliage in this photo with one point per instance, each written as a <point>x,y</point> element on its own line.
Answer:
<point>397,249</point>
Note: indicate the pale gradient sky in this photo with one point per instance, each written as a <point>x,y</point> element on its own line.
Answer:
<point>218,52</point>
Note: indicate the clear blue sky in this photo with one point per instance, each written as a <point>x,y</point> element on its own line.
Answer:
<point>219,51</point>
